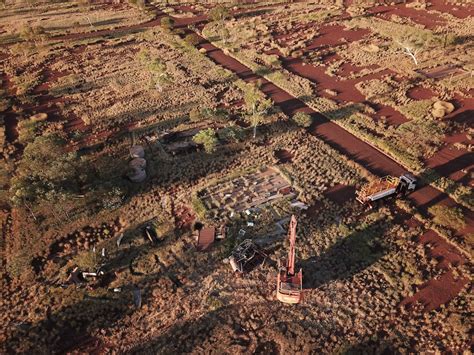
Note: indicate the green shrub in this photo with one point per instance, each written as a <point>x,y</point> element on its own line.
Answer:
<point>198,207</point>
<point>192,39</point>
<point>208,138</point>
<point>302,119</point>
<point>167,23</point>
<point>231,134</point>
<point>451,217</point>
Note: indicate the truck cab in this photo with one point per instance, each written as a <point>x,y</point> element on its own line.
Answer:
<point>407,183</point>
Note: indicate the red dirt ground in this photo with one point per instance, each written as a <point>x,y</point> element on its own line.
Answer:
<point>446,254</point>
<point>436,292</point>
<point>422,17</point>
<point>451,161</point>
<point>345,88</point>
<point>456,164</point>
<point>459,11</point>
<point>393,117</point>
<point>420,93</point>
<point>439,291</point>
<point>333,35</point>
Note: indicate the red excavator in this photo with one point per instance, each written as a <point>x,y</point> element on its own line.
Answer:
<point>289,283</point>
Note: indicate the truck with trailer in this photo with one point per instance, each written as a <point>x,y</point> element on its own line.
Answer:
<point>387,186</point>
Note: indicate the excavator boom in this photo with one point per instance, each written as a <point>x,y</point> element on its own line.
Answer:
<point>291,254</point>
<point>289,283</point>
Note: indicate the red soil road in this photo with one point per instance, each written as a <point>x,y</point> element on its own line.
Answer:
<point>437,291</point>
<point>457,11</point>
<point>419,16</point>
<point>366,155</point>
<point>456,164</point>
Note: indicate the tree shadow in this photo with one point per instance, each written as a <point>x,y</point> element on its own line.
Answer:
<point>377,346</point>
<point>347,257</point>
<point>253,13</point>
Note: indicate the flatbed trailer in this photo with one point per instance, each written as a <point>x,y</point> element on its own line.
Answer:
<point>386,186</point>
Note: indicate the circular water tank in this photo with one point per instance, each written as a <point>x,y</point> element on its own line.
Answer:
<point>137,151</point>
<point>137,163</point>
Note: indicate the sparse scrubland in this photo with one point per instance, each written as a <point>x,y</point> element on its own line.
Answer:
<point>84,82</point>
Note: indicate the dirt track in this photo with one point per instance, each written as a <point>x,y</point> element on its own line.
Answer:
<point>366,155</point>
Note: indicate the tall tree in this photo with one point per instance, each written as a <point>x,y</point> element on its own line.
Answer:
<point>413,42</point>
<point>257,106</point>
<point>161,76</point>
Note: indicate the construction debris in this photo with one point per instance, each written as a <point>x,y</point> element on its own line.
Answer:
<point>119,240</point>
<point>205,238</point>
<point>207,235</point>
<point>246,256</point>
<point>75,276</point>
<point>137,297</point>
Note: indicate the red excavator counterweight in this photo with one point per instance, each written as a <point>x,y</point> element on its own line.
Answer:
<point>289,283</point>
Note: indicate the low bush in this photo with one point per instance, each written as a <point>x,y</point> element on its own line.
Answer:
<point>198,207</point>
<point>192,39</point>
<point>167,23</point>
<point>208,139</point>
<point>451,217</point>
<point>302,119</point>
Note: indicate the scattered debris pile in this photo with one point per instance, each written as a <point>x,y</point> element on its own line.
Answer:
<point>246,256</point>
<point>207,235</point>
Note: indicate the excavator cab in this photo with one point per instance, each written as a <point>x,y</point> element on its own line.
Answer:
<point>289,282</point>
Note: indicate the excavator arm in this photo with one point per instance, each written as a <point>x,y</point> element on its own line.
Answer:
<point>291,254</point>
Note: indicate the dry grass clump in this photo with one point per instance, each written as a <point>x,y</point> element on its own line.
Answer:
<point>135,102</point>
<point>64,18</point>
<point>451,217</point>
